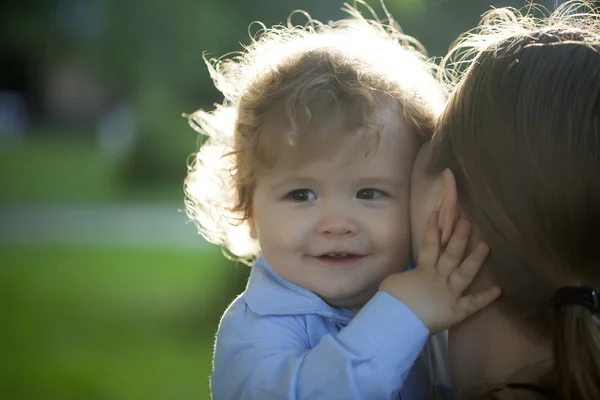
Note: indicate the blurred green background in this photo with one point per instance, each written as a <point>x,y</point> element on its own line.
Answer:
<point>107,291</point>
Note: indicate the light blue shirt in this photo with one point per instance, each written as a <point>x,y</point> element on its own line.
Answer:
<point>280,341</point>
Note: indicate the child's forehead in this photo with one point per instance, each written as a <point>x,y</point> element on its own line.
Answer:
<point>344,128</point>
<point>308,150</point>
<point>333,149</point>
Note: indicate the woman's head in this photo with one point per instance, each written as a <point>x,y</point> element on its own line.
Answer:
<point>521,135</point>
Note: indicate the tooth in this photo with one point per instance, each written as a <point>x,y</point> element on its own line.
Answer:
<point>337,255</point>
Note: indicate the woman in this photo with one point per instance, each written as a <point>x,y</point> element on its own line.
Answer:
<point>517,152</point>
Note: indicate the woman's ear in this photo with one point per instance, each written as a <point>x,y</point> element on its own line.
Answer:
<point>449,208</point>
<point>252,226</point>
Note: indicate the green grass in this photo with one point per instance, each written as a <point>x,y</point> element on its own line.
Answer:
<point>101,323</point>
<point>74,172</point>
<point>53,171</point>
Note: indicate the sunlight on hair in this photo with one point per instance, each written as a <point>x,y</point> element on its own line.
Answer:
<point>210,191</point>
<point>499,24</point>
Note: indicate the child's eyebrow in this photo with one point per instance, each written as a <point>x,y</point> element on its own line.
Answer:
<point>375,181</point>
<point>293,181</point>
<point>380,181</point>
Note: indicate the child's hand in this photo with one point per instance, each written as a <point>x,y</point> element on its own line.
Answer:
<point>434,290</point>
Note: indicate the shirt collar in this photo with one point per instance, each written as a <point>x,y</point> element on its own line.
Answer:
<point>269,294</point>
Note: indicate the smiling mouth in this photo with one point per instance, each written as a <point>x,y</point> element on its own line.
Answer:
<point>339,258</point>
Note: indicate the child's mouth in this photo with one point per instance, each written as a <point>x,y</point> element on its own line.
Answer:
<point>339,258</point>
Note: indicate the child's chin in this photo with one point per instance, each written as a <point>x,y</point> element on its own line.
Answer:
<point>349,299</point>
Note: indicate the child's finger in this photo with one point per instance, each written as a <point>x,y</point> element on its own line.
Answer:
<point>470,304</point>
<point>462,276</point>
<point>430,246</point>
<point>455,250</point>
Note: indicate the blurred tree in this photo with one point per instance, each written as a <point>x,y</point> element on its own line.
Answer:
<point>147,54</point>
<point>154,52</point>
<point>27,39</point>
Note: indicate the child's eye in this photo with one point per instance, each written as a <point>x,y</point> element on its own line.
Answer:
<point>301,195</point>
<point>369,194</point>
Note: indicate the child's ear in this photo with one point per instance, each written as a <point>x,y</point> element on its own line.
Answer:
<point>449,209</point>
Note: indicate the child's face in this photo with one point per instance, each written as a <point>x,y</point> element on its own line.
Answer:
<point>337,222</point>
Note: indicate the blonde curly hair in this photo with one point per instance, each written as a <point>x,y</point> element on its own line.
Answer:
<point>286,88</point>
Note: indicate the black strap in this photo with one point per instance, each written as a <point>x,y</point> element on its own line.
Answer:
<point>548,393</point>
<point>585,296</point>
<point>544,391</point>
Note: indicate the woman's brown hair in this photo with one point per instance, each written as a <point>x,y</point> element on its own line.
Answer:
<point>521,132</point>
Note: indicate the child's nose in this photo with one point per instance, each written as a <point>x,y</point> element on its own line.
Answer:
<point>335,222</point>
